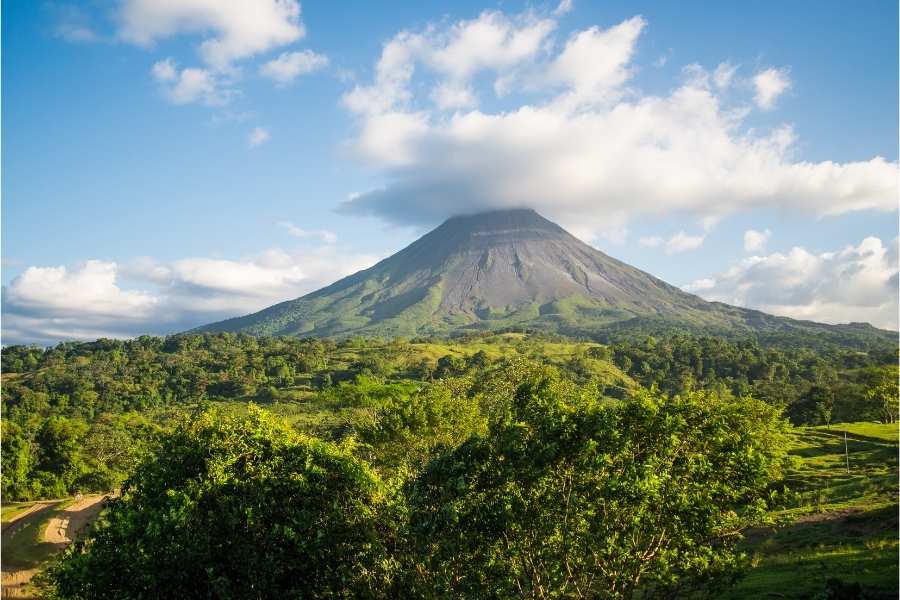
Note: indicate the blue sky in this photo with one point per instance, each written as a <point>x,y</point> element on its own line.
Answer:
<point>167,164</point>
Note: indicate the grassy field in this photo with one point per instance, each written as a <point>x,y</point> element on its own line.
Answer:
<point>23,546</point>
<point>838,524</point>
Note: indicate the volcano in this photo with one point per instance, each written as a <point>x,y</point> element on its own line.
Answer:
<point>512,270</point>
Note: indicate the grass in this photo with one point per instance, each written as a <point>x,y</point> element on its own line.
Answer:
<point>10,511</point>
<point>837,524</point>
<point>25,549</point>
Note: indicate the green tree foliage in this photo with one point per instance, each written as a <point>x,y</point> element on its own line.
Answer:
<point>406,429</point>
<point>236,508</point>
<point>94,385</point>
<point>571,498</point>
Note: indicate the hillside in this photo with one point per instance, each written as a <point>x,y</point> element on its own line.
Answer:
<point>515,269</point>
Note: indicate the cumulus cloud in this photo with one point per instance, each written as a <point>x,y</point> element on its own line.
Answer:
<point>770,84</point>
<point>188,85</point>
<point>584,143</point>
<point>754,241</point>
<point>237,28</point>
<point>682,242</point>
<point>724,75</point>
<point>492,42</point>
<point>258,136</point>
<point>53,291</point>
<point>290,65</point>
<point>105,299</point>
<point>854,284</point>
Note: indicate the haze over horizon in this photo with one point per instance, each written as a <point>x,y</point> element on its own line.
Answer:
<point>168,165</point>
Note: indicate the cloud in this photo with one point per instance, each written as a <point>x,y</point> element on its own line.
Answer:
<point>754,241</point>
<point>237,29</point>
<point>326,237</point>
<point>258,136</point>
<point>574,140</point>
<point>724,74</point>
<point>770,84</point>
<point>188,85</point>
<point>71,23</point>
<point>856,283</point>
<point>105,299</point>
<point>563,7</point>
<point>653,241</point>
<point>593,65</point>
<point>492,42</point>
<point>54,291</point>
<point>682,242</point>
<point>290,65</point>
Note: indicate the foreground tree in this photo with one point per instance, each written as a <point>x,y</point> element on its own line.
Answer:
<point>572,498</point>
<point>235,508</point>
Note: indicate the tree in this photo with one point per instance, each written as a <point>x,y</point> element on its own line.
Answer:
<point>18,458</point>
<point>61,451</point>
<point>236,508</point>
<point>572,498</point>
<point>883,399</point>
<point>406,429</point>
<point>814,407</point>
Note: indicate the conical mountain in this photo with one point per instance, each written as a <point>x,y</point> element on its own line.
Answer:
<point>501,270</point>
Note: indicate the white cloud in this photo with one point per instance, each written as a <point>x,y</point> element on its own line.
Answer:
<point>327,237</point>
<point>258,136</point>
<point>188,85</point>
<point>593,66</point>
<point>770,84</point>
<point>652,241</point>
<point>709,222</point>
<point>682,242</point>
<point>754,241</point>
<point>71,23</point>
<point>290,65</point>
<point>724,74</point>
<point>585,145</point>
<point>238,28</point>
<point>91,286</point>
<point>47,304</point>
<point>857,283</point>
<point>455,53</point>
<point>563,7</point>
<point>449,95</point>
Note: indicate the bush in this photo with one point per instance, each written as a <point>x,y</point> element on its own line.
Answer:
<point>571,497</point>
<point>236,508</point>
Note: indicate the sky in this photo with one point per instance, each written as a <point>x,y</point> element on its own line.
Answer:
<point>169,163</point>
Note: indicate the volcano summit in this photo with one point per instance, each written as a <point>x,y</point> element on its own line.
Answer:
<point>512,269</point>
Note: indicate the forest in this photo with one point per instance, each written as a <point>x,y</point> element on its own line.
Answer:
<point>495,465</point>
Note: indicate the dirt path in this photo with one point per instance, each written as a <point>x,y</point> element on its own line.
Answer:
<point>64,527</point>
<point>34,508</point>
<point>15,584</point>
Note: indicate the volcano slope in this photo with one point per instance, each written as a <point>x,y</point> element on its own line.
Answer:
<point>514,269</point>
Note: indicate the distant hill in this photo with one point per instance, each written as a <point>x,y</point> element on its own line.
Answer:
<point>515,269</point>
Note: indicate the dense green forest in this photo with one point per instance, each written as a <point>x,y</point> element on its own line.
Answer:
<point>77,416</point>
<point>492,466</point>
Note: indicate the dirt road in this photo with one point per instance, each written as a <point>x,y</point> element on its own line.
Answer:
<point>63,526</point>
<point>67,525</point>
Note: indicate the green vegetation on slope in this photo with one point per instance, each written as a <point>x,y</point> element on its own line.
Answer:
<point>838,526</point>
<point>83,417</point>
<point>513,270</point>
